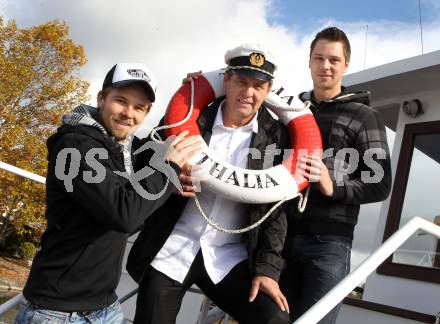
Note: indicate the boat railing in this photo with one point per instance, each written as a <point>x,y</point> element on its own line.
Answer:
<point>11,303</point>
<point>338,293</point>
<point>325,304</point>
<point>22,173</point>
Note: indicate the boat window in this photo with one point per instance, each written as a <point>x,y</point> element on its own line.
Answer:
<point>416,193</point>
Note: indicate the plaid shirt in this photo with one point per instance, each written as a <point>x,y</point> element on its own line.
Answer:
<point>357,156</point>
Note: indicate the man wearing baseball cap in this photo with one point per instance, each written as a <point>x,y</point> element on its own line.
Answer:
<point>239,273</point>
<point>91,208</point>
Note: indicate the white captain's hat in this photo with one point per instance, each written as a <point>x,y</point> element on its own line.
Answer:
<point>251,60</point>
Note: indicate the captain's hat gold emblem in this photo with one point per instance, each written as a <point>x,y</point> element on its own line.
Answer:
<point>256,59</point>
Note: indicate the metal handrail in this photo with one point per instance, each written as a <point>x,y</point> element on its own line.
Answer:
<point>22,173</point>
<point>338,293</point>
<point>11,303</point>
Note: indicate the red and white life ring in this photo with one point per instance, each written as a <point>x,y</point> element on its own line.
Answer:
<point>281,182</point>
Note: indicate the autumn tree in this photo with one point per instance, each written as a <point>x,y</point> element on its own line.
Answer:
<point>39,82</point>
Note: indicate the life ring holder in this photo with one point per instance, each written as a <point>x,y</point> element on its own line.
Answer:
<point>283,110</point>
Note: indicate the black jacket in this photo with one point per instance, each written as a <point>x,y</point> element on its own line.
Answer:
<point>264,243</point>
<point>347,124</point>
<point>79,264</point>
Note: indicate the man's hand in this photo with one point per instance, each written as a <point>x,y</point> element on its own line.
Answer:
<point>315,170</point>
<point>190,182</point>
<point>182,148</point>
<point>192,75</point>
<point>269,287</point>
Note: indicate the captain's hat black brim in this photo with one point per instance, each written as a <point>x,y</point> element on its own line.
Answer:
<point>253,73</point>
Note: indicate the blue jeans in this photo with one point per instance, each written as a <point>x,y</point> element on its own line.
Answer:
<point>29,314</point>
<point>315,263</point>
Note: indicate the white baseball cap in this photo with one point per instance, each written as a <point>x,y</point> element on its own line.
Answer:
<point>123,74</point>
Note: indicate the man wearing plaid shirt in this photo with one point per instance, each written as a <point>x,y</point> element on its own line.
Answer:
<point>355,169</point>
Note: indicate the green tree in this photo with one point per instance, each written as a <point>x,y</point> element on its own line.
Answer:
<point>39,82</point>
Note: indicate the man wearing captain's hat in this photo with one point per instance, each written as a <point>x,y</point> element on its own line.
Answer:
<point>177,248</point>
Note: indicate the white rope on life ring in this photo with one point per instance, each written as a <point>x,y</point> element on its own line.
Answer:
<point>276,184</point>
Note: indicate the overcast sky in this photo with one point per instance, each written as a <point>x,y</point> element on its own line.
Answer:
<point>175,37</point>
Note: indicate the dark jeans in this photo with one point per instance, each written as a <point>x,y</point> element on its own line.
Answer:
<point>314,265</point>
<point>159,297</point>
